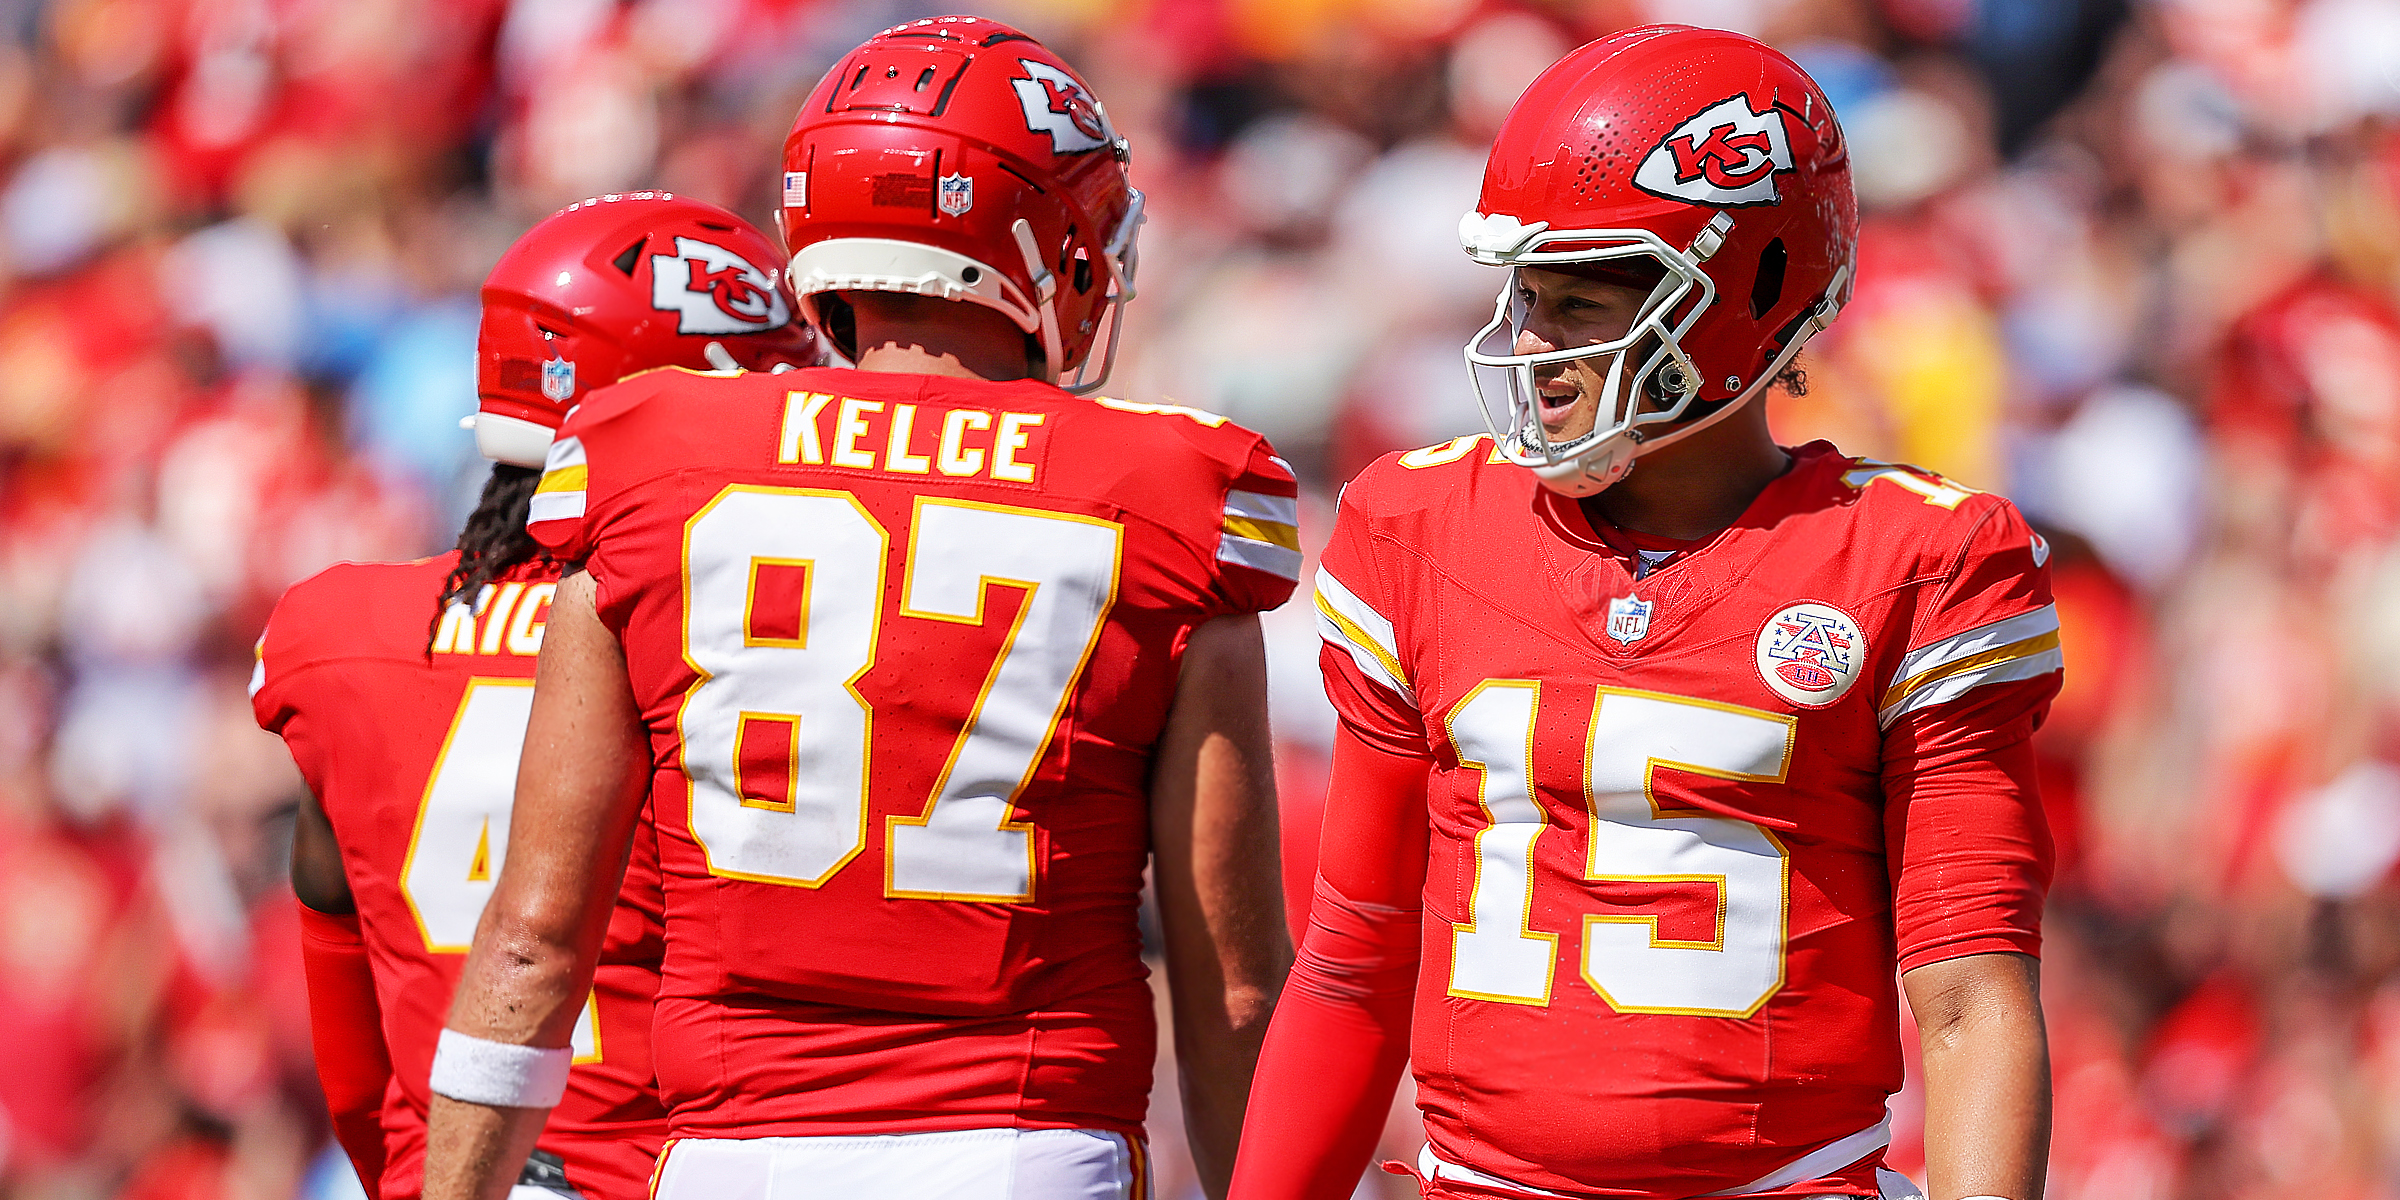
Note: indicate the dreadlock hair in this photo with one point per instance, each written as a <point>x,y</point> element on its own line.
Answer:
<point>492,542</point>
<point>1793,379</point>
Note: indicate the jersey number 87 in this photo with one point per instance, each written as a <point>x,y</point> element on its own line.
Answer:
<point>772,690</point>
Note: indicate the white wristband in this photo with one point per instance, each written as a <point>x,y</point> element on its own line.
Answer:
<point>486,1072</point>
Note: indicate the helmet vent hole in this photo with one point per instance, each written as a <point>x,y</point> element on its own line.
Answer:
<point>628,256</point>
<point>858,79</point>
<point>1083,272</point>
<point>924,77</point>
<point>716,225</point>
<point>1767,287</point>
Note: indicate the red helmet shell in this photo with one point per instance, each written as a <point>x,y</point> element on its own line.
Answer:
<point>916,159</point>
<point>618,284</point>
<point>1662,128</point>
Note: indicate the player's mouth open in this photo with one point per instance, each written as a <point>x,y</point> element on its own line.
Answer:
<point>1557,395</point>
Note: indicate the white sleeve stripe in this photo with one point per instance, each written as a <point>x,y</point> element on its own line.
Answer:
<point>554,506</point>
<point>1260,556</point>
<point>1975,641</point>
<point>564,452</point>
<point>1951,688</point>
<point>1371,662</point>
<point>258,677</point>
<point>1348,623</point>
<point>1282,510</point>
<point>1287,467</point>
<point>1339,601</point>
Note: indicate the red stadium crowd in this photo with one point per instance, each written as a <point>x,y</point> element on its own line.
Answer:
<point>2135,266</point>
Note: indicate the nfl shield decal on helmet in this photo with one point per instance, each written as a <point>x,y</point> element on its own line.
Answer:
<point>558,380</point>
<point>1628,618</point>
<point>957,194</point>
<point>1726,156</point>
<point>1811,653</point>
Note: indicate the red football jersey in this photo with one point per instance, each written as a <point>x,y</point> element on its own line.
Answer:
<point>904,645</point>
<point>414,757</point>
<point>1686,826</point>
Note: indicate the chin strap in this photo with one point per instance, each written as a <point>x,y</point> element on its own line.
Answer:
<point>1045,289</point>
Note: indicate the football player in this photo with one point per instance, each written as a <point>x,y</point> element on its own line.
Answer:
<point>920,664</point>
<point>1664,747</point>
<point>402,690</point>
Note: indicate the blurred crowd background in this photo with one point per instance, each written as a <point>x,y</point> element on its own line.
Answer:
<point>2134,263</point>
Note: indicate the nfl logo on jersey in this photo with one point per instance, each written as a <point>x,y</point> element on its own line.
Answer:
<point>558,379</point>
<point>1628,619</point>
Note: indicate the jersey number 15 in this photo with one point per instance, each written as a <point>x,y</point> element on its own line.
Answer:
<point>1633,839</point>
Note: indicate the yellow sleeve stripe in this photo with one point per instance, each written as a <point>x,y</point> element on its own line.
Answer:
<point>1271,532</point>
<point>2028,659</point>
<point>1356,639</point>
<point>1348,624</point>
<point>1998,654</point>
<point>564,479</point>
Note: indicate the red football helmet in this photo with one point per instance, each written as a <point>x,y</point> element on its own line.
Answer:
<point>956,157</point>
<point>1705,151</point>
<point>618,284</point>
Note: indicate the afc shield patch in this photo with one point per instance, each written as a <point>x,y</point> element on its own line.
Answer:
<point>1628,618</point>
<point>1726,156</point>
<point>558,380</point>
<point>1811,653</point>
<point>957,194</point>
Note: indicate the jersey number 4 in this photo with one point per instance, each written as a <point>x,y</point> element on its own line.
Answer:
<point>1635,843</point>
<point>775,734</point>
<point>461,838</point>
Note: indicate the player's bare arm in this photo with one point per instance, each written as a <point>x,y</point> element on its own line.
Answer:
<point>1220,898</point>
<point>580,788</point>
<point>1987,1075</point>
<point>317,862</point>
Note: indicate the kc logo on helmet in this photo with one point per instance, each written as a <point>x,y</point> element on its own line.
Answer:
<point>714,290</point>
<point>1726,156</point>
<point>1811,653</point>
<point>1057,105</point>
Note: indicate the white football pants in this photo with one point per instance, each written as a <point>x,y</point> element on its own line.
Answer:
<point>1831,1157</point>
<point>970,1164</point>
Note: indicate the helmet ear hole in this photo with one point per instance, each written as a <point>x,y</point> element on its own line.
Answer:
<point>840,323</point>
<point>1083,272</point>
<point>1767,287</point>
<point>630,255</point>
